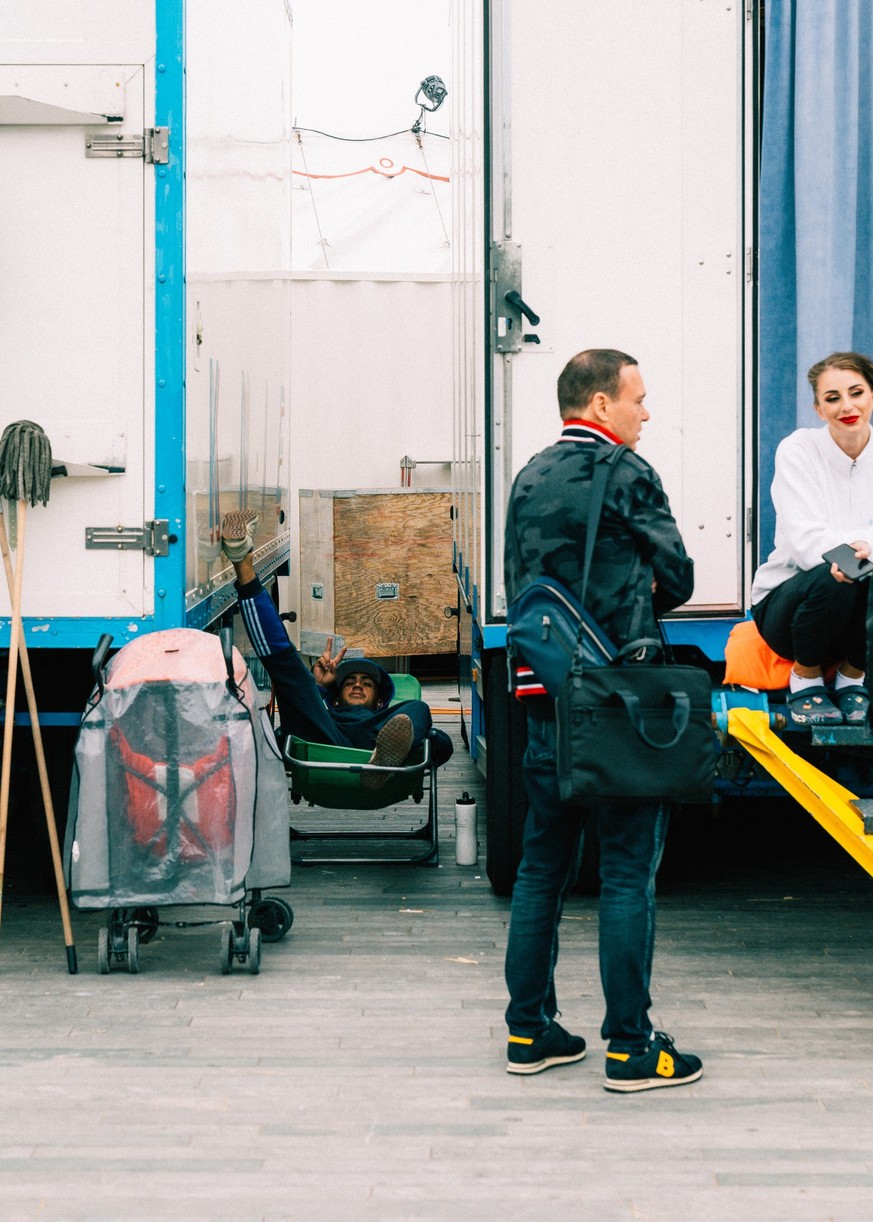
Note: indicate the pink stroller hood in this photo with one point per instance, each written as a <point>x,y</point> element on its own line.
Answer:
<point>177,655</point>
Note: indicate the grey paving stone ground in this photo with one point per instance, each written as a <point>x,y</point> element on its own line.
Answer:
<point>361,1074</point>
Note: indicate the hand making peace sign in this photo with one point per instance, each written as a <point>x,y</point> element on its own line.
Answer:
<point>324,667</point>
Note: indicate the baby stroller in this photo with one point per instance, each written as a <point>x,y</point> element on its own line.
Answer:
<point>178,797</point>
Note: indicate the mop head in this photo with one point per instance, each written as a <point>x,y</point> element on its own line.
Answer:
<point>25,463</point>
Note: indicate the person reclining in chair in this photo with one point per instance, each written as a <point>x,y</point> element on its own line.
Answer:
<point>344,703</point>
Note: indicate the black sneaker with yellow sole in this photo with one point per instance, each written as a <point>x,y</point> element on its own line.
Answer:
<point>661,1065</point>
<point>533,1054</point>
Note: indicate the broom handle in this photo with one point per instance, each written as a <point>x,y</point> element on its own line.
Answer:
<point>11,679</point>
<point>39,750</point>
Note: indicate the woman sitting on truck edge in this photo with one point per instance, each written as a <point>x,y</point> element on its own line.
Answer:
<point>805,608</point>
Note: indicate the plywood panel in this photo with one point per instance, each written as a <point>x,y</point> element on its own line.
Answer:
<point>316,561</point>
<point>381,539</point>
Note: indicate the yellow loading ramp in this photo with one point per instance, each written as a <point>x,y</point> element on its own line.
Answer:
<point>840,812</point>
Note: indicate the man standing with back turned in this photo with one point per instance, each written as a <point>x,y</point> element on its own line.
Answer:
<point>639,567</point>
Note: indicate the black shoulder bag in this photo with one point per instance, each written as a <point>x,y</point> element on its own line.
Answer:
<point>633,729</point>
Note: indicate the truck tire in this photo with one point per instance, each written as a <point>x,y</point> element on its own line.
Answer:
<point>506,801</point>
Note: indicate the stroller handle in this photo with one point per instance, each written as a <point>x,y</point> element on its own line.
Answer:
<point>99,658</point>
<point>226,638</point>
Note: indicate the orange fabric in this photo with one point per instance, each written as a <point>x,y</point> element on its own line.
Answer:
<point>750,662</point>
<point>207,801</point>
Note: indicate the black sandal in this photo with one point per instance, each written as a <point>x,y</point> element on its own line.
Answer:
<point>853,703</point>
<point>812,706</point>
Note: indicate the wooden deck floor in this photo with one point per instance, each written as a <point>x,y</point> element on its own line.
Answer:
<point>361,1074</point>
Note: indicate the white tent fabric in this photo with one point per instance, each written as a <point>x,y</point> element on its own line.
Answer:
<point>371,206</point>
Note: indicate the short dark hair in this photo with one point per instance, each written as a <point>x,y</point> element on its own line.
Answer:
<point>855,361</point>
<point>587,373</point>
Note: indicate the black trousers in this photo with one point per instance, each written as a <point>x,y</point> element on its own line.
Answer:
<point>815,620</point>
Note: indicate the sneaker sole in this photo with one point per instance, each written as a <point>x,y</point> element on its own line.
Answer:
<point>545,1063</point>
<point>637,1084</point>
<point>236,538</point>
<point>393,744</point>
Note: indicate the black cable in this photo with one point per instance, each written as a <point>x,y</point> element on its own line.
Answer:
<point>366,139</point>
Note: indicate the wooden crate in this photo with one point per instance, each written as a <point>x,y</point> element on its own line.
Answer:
<point>376,569</point>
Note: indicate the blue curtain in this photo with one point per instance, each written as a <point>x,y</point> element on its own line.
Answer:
<point>816,227</point>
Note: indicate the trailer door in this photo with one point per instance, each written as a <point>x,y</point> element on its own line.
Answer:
<point>618,217</point>
<point>73,310</point>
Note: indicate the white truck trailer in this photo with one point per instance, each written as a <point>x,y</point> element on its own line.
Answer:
<point>144,307</point>
<point>612,190</point>
<point>144,318</point>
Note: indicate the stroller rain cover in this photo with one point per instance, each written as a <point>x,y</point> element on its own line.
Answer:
<point>179,793</point>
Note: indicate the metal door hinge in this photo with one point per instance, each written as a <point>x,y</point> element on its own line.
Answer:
<point>153,145</point>
<point>153,538</point>
<point>157,145</point>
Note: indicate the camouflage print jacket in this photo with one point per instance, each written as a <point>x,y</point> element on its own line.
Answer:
<point>638,541</point>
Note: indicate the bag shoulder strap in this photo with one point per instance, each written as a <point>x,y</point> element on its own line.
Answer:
<point>603,465</point>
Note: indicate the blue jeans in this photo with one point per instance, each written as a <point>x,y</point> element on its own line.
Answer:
<point>631,845</point>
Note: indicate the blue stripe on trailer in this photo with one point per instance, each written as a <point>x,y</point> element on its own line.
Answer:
<point>494,636</point>
<point>77,633</point>
<point>709,635</point>
<point>169,571</point>
<point>46,719</point>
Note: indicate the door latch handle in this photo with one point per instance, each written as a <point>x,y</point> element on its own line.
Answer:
<point>515,299</point>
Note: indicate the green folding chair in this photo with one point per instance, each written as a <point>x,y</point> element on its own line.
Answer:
<point>331,777</point>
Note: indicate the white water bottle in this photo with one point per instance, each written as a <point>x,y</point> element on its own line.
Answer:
<point>466,842</point>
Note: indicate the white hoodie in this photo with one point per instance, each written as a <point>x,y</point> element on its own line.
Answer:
<point>822,498</point>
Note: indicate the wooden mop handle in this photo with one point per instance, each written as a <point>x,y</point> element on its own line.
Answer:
<point>12,578</point>
<point>11,680</point>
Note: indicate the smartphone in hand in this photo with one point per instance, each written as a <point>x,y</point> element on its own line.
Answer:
<point>848,563</point>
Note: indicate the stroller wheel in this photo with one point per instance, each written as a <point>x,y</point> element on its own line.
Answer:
<point>147,919</point>
<point>254,951</point>
<point>103,951</point>
<point>226,953</point>
<point>133,950</point>
<point>273,917</point>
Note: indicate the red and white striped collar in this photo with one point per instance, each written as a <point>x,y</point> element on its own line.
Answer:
<point>587,431</point>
